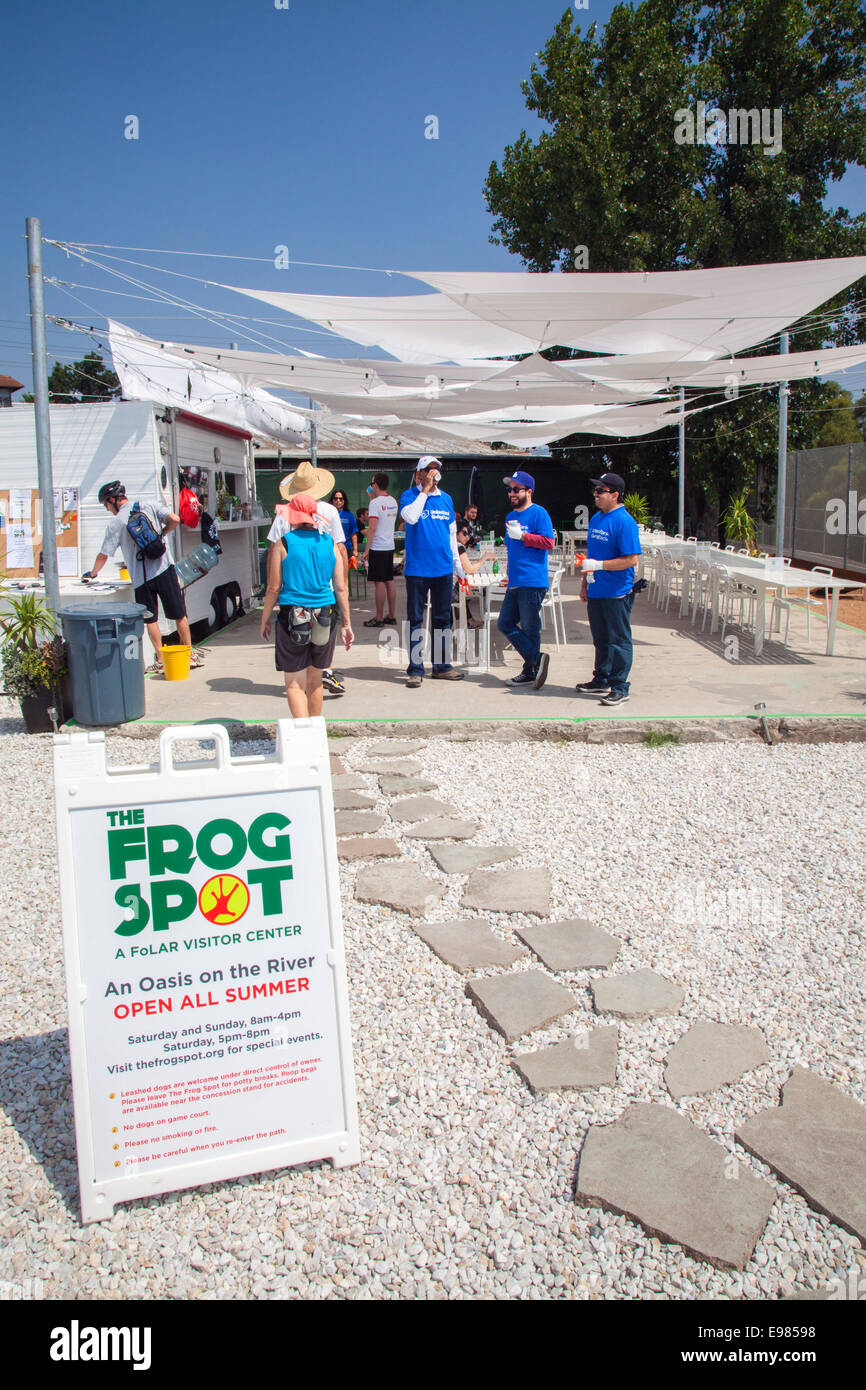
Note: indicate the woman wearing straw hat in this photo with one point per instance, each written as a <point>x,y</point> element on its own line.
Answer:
<point>306,578</point>
<point>313,482</point>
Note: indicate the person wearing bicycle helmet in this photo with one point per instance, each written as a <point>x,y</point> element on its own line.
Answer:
<point>155,580</point>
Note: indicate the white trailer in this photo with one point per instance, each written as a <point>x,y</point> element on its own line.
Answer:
<point>148,448</point>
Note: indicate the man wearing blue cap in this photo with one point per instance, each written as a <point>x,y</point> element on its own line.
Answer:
<point>612,551</point>
<point>528,537</point>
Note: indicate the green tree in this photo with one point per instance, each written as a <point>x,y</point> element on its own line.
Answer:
<point>840,425</point>
<point>86,380</point>
<point>608,173</point>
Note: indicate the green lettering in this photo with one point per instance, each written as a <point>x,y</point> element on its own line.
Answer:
<point>130,896</point>
<point>124,844</point>
<point>169,849</point>
<point>271,881</point>
<point>173,899</point>
<point>281,848</point>
<point>207,853</point>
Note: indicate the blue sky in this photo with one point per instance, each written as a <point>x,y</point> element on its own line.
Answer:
<point>259,127</point>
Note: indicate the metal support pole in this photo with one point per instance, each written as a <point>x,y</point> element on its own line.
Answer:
<point>43,422</point>
<point>681,508</point>
<point>782,470</point>
<point>314,444</point>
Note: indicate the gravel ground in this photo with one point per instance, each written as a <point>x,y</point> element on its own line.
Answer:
<point>736,870</point>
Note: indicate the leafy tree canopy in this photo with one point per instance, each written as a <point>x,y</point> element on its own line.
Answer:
<point>608,172</point>
<point>87,380</point>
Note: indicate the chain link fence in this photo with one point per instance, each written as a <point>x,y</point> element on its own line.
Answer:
<point>825,511</point>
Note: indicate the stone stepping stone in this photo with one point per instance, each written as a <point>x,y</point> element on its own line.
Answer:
<point>655,1166</point>
<point>392,767</point>
<point>368,849</point>
<point>402,886</point>
<point>710,1055</point>
<point>337,764</point>
<point>421,808</point>
<point>358,822</point>
<point>349,782</point>
<point>442,828</point>
<point>519,1003</point>
<point>571,945</point>
<point>642,994</point>
<point>816,1140</point>
<point>393,786</point>
<point>509,890</point>
<point>462,859</point>
<point>396,747</point>
<point>352,801</point>
<point>468,944</point>
<point>589,1059</point>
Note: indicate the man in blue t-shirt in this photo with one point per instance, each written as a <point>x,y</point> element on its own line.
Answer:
<point>431,560</point>
<point>528,537</point>
<point>612,550</point>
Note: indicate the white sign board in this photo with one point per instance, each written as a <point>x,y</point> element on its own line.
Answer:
<point>208,1011</point>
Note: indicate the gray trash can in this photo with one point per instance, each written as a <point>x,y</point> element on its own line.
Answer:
<point>106,671</point>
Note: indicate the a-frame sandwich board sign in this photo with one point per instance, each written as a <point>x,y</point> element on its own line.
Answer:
<point>205,967</point>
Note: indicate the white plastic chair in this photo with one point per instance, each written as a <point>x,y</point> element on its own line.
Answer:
<point>809,602</point>
<point>550,600</point>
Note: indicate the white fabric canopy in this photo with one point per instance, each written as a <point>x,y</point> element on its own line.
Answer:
<point>148,376</point>
<point>415,328</point>
<point>689,314</point>
<point>698,314</point>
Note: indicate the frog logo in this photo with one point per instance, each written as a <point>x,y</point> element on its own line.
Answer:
<point>224,899</point>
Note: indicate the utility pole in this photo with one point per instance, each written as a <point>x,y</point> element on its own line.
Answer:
<point>782,470</point>
<point>314,443</point>
<point>681,508</point>
<point>43,421</point>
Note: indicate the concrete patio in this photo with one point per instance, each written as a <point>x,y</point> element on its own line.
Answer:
<point>679,672</point>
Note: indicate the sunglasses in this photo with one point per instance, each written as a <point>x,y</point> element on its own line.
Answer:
<point>516,489</point>
<point>597,490</point>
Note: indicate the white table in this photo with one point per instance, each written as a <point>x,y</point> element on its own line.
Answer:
<point>763,575</point>
<point>486,585</point>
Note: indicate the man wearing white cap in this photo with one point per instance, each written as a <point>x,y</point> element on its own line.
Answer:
<point>313,482</point>
<point>431,561</point>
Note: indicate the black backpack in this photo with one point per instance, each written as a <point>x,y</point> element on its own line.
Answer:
<point>148,541</point>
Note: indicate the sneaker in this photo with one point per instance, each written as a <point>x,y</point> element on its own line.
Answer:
<point>333,683</point>
<point>593,688</point>
<point>155,669</point>
<point>541,673</point>
<point>413,682</point>
<point>523,678</point>
<point>195,660</point>
<point>451,675</point>
<point>616,697</point>
<point>390,622</point>
<point>375,622</point>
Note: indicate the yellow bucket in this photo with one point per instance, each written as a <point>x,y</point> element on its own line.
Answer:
<point>175,662</point>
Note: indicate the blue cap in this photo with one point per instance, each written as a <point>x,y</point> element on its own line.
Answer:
<point>522,480</point>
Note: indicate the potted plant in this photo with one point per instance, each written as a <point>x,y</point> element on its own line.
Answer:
<point>34,662</point>
<point>638,507</point>
<point>738,524</point>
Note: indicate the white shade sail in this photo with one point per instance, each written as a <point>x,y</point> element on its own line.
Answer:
<point>698,314</point>
<point>692,315</point>
<point>148,376</point>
